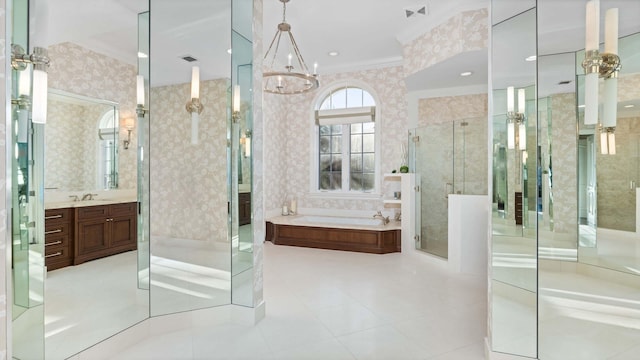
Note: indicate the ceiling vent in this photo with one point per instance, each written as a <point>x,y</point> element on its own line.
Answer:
<point>188,58</point>
<point>564,82</point>
<point>421,10</point>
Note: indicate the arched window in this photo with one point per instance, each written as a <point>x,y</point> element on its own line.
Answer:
<point>346,141</point>
<point>107,150</point>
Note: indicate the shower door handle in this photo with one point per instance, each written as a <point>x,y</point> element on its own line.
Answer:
<point>446,190</point>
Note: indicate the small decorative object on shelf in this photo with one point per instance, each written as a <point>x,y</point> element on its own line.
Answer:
<point>404,159</point>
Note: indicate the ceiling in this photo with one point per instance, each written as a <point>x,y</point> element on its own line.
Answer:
<point>366,34</point>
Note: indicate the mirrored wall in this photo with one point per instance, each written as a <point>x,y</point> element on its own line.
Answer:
<point>515,192</point>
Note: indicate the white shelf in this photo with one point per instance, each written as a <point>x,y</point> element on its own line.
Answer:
<point>392,201</point>
<point>393,176</point>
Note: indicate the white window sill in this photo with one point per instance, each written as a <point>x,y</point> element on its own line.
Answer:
<point>343,195</point>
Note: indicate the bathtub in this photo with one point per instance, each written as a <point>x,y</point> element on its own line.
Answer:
<point>335,233</point>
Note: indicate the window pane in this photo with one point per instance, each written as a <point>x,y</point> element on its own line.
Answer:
<point>356,128</point>
<point>368,143</point>
<point>355,181</point>
<point>369,127</point>
<point>356,143</point>
<point>325,162</point>
<point>367,99</point>
<point>369,162</point>
<point>336,181</point>
<point>368,182</point>
<point>339,99</point>
<point>325,142</point>
<point>336,144</point>
<point>336,163</point>
<point>325,180</point>
<point>336,129</point>
<point>354,97</point>
<point>325,130</point>
<point>326,104</point>
<point>356,163</point>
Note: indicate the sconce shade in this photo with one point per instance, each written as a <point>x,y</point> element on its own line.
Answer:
<point>511,136</point>
<point>247,147</point>
<point>522,136</point>
<point>521,101</point>
<point>39,110</point>
<point>24,82</point>
<point>612,143</point>
<point>195,82</point>
<point>604,147</point>
<point>611,31</point>
<point>129,123</point>
<point>236,98</point>
<point>140,90</point>
<point>510,99</point>
<point>610,108</point>
<point>593,25</point>
<point>23,125</point>
<point>591,99</point>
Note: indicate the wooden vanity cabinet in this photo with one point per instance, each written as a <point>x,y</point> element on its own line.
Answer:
<point>244,208</point>
<point>58,238</point>
<point>105,230</point>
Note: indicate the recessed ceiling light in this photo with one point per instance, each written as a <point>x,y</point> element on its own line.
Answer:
<point>531,58</point>
<point>629,106</point>
<point>142,55</point>
<point>466,73</point>
<point>333,53</point>
<point>229,51</point>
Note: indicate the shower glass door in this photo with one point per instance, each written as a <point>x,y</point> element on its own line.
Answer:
<point>432,150</point>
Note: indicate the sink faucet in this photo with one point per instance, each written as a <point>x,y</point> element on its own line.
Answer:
<point>385,220</point>
<point>88,196</point>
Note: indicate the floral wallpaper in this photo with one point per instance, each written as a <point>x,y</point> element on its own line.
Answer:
<point>84,72</point>
<point>467,31</point>
<point>289,137</point>
<point>188,183</point>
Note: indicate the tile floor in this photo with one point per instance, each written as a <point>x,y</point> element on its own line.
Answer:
<point>324,304</point>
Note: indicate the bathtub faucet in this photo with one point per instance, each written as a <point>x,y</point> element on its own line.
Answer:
<point>385,220</point>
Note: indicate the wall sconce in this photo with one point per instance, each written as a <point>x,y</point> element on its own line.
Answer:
<point>236,103</point>
<point>605,65</point>
<point>20,61</point>
<point>194,107</point>
<point>607,140</point>
<point>129,124</point>
<point>245,141</point>
<point>140,110</point>
<point>516,118</point>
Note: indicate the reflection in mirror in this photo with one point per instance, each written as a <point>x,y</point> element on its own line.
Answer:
<point>515,192</point>
<point>608,176</point>
<point>81,143</point>
<point>25,165</point>
<point>190,238</point>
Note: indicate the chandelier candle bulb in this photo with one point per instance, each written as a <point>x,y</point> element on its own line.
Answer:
<point>593,25</point>
<point>140,90</point>
<point>510,99</point>
<point>195,82</point>
<point>521,101</point>
<point>315,68</point>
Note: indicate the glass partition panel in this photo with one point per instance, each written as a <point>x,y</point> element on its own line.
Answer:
<point>515,190</point>
<point>190,186</point>
<point>469,165</point>
<point>433,160</point>
<point>25,144</point>
<point>609,172</point>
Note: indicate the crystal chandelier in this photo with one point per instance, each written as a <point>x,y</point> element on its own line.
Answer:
<point>295,79</point>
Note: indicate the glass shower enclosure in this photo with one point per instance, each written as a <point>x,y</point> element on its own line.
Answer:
<point>448,159</point>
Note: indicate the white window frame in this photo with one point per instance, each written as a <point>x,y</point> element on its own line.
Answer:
<point>344,193</point>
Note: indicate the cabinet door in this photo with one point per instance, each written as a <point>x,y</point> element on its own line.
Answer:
<point>93,236</point>
<point>124,232</point>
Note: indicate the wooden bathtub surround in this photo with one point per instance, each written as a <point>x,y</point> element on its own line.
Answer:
<point>360,240</point>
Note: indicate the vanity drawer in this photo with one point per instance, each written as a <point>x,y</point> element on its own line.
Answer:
<point>57,215</point>
<point>124,209</point>
<point>54,241</point>
<point>54,254</point>
<point>92,212</point>
<point>56,230</point>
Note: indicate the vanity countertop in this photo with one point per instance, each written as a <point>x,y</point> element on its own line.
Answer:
<point>94,202</point>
